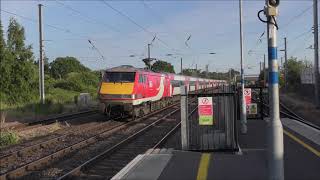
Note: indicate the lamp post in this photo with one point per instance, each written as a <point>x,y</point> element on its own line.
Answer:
<point>285,63</point>
<point>243,117</point>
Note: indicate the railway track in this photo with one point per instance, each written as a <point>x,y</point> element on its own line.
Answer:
<point>46,121</point>
<point>287,112</point>
<point>26,154</point>
<point>64,117</point>
<point>59,147</point>
<point>106,164</point>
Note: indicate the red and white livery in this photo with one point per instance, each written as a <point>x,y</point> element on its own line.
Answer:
<point>137,91</point>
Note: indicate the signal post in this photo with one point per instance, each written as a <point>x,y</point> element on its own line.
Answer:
<point>274,128</point>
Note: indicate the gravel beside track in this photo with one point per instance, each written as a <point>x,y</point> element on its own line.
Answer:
<point>35,134</point>
<point>31,153</point>
<point>73,126</point>
<point>66,148</point>
<point>32,123</point>
<point>114,158</point>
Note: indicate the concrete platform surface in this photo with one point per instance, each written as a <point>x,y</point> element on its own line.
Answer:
<point>301,160</point>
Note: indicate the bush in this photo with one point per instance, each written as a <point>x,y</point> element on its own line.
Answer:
<point>8,138</point>
<point>58,95</point>
<point>61,66</point>
<point>49,82</point>
<point>84,78</point>
<point>68,85</point>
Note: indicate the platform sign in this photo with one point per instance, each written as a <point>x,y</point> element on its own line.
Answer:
<point>252,108</point>
<point>205,109</point>
<point>247,95</point>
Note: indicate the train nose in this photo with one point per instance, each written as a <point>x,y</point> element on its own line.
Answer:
<point>116,88</point>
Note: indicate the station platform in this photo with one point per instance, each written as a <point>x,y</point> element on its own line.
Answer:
<point>301,158</point>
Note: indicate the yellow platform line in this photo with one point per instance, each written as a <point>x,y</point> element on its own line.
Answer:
<point>316,152</point>
<point>203,166</point>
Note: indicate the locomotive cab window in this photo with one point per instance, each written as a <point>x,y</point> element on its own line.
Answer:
<point>119,77</point>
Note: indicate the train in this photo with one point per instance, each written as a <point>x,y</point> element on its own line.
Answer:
<point>127,90</point>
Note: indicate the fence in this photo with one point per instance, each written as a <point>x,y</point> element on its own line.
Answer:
<point>220,136</point>
<point>258,97</point>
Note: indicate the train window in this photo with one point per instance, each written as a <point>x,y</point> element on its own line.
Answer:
<point>141,78</point>
<point>144,78</point>
<point>119,77</point>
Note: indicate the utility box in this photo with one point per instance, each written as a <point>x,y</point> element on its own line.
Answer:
<point>84,100</point>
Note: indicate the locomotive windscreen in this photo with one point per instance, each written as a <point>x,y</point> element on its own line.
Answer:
<point>119,77</point>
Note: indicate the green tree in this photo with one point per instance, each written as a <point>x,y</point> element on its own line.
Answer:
<point>294,70</point>
<point>46,65</point>
<point>62,66</point>
<point>18,73</point>
<point>190,72</point>
<point>3,76</point>
<point>2,42</point>
<point>162,66</point>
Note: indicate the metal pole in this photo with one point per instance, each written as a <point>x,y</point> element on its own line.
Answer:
<point>260,67</point>
<point>274,126</point>
<point>286,64</point>
<point>316,52</point>
<point>41,64</point>
<point>149,51</point>
<point>181,65</point>
<point>264,70</point>
<point>230,78</point>
<point>207,69</point>
<point>184,117</point>
<point>243,117</point>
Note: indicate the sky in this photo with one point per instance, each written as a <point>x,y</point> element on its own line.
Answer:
<point>121,30</point>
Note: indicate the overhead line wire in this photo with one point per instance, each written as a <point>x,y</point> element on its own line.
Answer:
<point>157,16</point>
<point>297,49</point>
<point>138,25</point>
<point>301,35</point>
<point>289,22</point>
<point>54,27</point>
<point>296,17</point>
<point>49,25</point>
<point>88,19</point>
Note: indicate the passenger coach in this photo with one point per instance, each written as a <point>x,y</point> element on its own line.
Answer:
<point>135,92</point>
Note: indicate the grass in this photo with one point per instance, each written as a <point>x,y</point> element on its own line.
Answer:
<point>57,101</point>
<point>8,137</point>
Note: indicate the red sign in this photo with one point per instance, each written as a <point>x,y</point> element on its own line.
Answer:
<point>247,95</point>
<point>205,109</point>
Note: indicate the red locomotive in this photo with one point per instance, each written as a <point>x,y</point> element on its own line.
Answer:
<point>134,91</point>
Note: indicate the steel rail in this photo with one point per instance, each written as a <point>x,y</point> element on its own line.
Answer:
<point>118,146</point>
<point>171,132</point>
<point>63,117</point>
<point>50,120</point>
<point>20,171</point>
<point>293,115</point>
<point>297,118</point>
<point>24,150</point>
